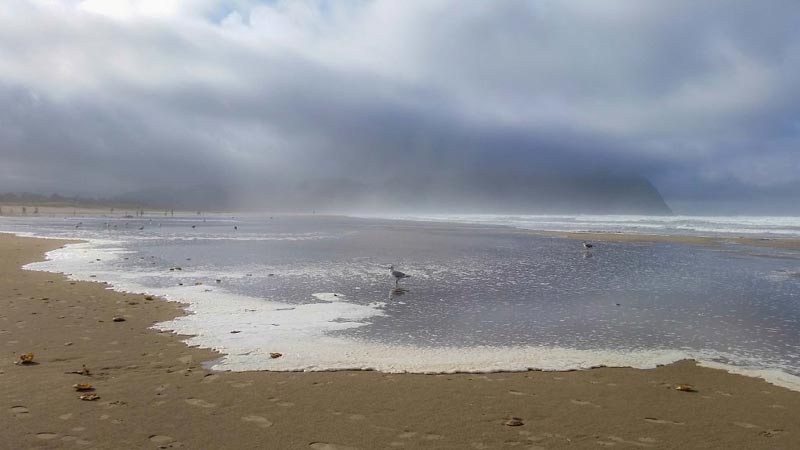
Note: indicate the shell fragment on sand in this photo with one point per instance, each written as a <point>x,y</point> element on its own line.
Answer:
<point>84,371</point>
<point>83,387</point>
<point>685,388</point>
<point>26,358</point>
<point>514,422</point>
<point>275,355</point>
<point>89,397</point>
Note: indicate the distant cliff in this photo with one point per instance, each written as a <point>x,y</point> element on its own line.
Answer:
<point>509,194</point>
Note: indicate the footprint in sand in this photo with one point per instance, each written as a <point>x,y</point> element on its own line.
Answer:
<point>161,439</point>
<point>770,433</point>
<point>200,403</point>
<point>328,446</point>
<point>210,378</point>
<point>20,411</point>
<point>262,422</point>
<point>46,436</point>
<point>663,422</point>
<point>530,436</point>
<point>584,403</point>
<point>625,441</point>
<point>432,437</point>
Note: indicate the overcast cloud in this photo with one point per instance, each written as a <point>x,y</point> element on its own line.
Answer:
<point>102,97</point>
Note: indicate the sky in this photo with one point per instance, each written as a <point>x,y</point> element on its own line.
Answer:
<point>104,97</point>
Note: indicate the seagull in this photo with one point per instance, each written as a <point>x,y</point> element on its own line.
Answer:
<point>397,275</point>
<point>587,245</point>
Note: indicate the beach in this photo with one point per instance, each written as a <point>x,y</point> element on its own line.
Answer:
<point>155,393</point>
<point>778,243</point>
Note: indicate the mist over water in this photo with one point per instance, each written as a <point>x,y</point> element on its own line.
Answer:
<point>694,225</point>
<point>480,296</point>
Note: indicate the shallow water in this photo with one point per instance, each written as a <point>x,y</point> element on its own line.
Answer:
<point>479,297</point>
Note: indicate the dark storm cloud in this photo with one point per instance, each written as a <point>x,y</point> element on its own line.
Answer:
<point>104,97</point>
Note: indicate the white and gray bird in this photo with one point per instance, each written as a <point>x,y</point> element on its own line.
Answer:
<point>587,245</point>
<point>397,275</point>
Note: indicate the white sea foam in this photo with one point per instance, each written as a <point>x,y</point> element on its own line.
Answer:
<point>247,329</point>
<point>668,225</point>
<point>243,237</point>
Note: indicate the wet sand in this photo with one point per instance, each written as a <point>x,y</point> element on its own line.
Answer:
<point>779,243</point>
<point>154,392</point>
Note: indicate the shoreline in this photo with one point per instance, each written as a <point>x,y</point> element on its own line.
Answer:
<point>154,392</point>
<point>770,242</point>
<point>515,360</point>
<point>755,240</point>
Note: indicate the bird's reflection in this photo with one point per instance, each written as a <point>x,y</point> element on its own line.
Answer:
<point>397,292</point>
<point>587,255</point>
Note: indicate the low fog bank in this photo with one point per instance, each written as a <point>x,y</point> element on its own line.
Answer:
<point>500,194</point>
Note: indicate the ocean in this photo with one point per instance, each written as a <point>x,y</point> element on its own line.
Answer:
<point>485,293</point>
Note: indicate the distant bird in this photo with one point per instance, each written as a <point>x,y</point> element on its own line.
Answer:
<point>79,225</point>
<point>141,228</point>
<point>587,245</point>
<point>397,275</point>
<point>194,226</point>
<point>235,227</point>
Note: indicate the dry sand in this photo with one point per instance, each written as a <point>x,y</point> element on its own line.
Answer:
<point>154,392</point>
